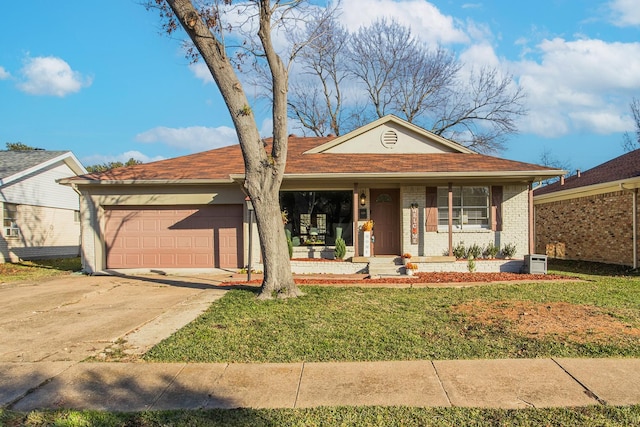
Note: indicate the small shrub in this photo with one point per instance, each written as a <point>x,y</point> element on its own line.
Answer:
<point>341,248</point>
<point>509,250</point>
<point>491,250</point>
<point>459,251</point>
<point>471,264</point>
<point>290,247</point>
<point>474,251</point>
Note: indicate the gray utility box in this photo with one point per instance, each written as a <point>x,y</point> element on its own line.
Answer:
<point>535,264</point>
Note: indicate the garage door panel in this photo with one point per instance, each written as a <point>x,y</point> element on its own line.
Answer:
<point>160,237</point>
<point>149,242</point>
<point>131,243</point>
<point>149,224</point>
<point>167,260</point>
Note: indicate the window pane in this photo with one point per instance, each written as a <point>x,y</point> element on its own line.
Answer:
<point>470,206</point>
<point>318,217</point>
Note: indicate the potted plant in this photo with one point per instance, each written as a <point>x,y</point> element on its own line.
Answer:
<point>340,249</point>
<point>410,268</point>
<point>405,258</point>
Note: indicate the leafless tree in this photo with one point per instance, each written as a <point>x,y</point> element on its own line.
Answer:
<point>632,142</point>
<point>481,112</point>
<point>316,96</point>
<point>207,24</point>
<point>402,76</point>
<point>548,159</point>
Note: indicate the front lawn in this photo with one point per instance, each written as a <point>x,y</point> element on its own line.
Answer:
<point>37,270</point>
<point>597,317</point>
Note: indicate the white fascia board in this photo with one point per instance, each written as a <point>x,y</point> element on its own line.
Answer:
<point>588,190</point>
<point>528,175</point>
<point>90,182</point>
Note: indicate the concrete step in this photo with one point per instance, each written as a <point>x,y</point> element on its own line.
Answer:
<point>385,266</point>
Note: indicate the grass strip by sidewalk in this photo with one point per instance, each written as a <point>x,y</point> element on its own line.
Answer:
<point>353,324</point>
<point>341,416</point>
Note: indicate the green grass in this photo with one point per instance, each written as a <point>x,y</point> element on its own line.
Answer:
<point>354,324</point>
<point>36,270</point>
<point>341,416</point>
<point>357,324</point>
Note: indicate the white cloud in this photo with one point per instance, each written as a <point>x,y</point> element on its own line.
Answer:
<point>200,70</point>
<point>626,13</point>
<point>580,85</point>
<point>99,159</point>
<point>424,18</point>
<point>4,74</point>
<point>194,138</point>
<point>51,76</point>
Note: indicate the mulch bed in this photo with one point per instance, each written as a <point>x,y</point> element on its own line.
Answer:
<point>417,278</point>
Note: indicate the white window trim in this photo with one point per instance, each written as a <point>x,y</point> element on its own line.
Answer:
<point>12,231</point>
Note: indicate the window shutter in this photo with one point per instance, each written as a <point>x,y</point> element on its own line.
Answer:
<point>496,208</point>
<point>431,211</point>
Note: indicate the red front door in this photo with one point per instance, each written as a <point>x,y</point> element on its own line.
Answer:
<point>385,213</point>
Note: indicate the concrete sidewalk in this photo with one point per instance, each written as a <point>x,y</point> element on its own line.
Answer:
<point>506,383</point>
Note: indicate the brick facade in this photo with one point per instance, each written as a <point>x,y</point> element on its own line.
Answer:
<point>593,228</point>
<point>515,227</point>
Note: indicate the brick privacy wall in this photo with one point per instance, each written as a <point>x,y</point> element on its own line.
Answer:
<point>44,233</point>
<point>593,228</point>
<point>515,217</point>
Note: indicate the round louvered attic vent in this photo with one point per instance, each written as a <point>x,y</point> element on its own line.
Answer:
<point>389,139</point>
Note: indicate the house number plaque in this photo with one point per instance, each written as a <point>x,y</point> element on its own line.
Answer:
<point>414,224</point>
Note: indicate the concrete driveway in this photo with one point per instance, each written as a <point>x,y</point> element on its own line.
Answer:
<point>75,317</point>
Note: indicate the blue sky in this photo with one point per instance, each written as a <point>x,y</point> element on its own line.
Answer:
<point>99,79</point>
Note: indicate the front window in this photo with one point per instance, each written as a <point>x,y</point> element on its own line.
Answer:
<point>9,215</point>
<point>318,217</point>
<point>470,207</point>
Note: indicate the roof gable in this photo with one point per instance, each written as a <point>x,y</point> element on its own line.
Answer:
<point>17,164</point>
<point>389,135</point>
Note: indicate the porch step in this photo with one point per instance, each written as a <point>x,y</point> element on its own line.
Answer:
<point>385,266</point>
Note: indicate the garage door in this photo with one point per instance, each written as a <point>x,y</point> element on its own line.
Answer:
<point>174,237</point>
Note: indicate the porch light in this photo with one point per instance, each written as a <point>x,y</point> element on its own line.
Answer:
<point>363,199</point>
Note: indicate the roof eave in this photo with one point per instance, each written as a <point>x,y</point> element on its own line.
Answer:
<point>94,182</point>
<point>588,190</point>
<point>530,176</point>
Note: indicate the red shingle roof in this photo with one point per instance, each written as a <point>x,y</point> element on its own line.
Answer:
<point>220,163</point>
<point>622,167</point>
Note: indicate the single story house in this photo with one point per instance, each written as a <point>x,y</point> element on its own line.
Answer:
<point>593,215</point>
<point>424,193</point>
<point>40,218</point>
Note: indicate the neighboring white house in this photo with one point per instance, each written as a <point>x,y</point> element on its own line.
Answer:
<point>40,218</point>
<point>425,194</point>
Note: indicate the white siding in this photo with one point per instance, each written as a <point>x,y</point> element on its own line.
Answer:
<point>44,233</point>
<point>41,189</point>
<point>408,142</point>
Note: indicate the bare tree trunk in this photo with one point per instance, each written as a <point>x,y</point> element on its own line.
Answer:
<point>263,172</point>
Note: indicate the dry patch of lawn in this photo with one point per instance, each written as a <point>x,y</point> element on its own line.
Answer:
<point>576,322</point>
